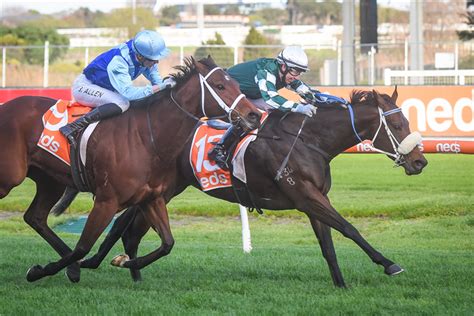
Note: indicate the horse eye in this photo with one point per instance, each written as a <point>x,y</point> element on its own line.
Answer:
<point>220,86</point>
<point>397,126</point>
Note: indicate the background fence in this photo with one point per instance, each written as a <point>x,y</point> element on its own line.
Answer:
<point>57,66</point>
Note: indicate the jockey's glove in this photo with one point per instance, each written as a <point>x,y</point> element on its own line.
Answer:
<point>306,109</point>
<point>169,83</point>
<point>303,89</point>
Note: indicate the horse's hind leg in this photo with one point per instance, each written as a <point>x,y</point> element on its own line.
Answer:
<point>48,193</point>
<point>323,232</point>
<point>12,169</point>
<point>101,215</point>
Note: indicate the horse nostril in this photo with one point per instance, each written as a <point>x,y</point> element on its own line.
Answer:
<point>420,163</point>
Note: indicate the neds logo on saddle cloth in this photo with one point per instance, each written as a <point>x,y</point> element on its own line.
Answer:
<point>56,117</point>
<point>206,171</point>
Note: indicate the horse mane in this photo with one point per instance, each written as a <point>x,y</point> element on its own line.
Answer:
<point>184,73</point>
<point>361,96</point>
<point>188,69</point>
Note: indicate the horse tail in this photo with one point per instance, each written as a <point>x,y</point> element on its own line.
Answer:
<point>68,196</point>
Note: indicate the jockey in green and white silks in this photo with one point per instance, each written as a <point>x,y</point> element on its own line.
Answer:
<point>260,81</point>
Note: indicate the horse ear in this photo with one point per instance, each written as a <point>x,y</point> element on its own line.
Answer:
<point>211,59</point>
<point>380,101</point>
<point>394,95</point>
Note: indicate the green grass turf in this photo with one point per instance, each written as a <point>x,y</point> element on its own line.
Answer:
<point>207,273</point>
<point>424,223</point>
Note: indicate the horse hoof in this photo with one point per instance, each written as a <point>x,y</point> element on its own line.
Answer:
<point>34,273</point>
<point>120,260</point>
<point>394,269</point>
<point>73,272</point>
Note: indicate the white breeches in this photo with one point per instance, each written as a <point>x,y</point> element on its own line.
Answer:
<point>89,94</point>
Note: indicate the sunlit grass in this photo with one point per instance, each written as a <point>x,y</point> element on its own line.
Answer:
<point>207,273</point>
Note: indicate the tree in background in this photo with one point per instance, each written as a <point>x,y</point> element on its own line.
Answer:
<point>124,17</point>
<point>211,9</point>
<point>29,35</point>
<point>391,15</point>
<point>269,16</point>
<point>223,56</point>
<point>84,17</point>
<point>467,35</point>
<point>311,12</point>
<point>231,9</point>
<point>169,15</point>
<point>256,38</point>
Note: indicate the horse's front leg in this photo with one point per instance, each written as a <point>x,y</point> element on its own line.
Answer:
<point>101,215</point>
<point>131,239</point>
<point>120,225</point>
<point>323,233</point>
<point>156,214</point>
<point>136,226</point>
<point>316,205</point>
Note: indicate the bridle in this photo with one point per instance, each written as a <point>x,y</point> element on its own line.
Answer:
<point>205,85</point>
<point>400,148</point>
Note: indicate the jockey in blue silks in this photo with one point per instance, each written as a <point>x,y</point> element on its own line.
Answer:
<point>106,83</point>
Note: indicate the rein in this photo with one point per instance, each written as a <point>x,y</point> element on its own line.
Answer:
<point>148,118</point>
<point>285,161</point>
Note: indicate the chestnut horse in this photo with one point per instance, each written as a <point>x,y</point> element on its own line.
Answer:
<point>131,158</point>
<point>306,179</point>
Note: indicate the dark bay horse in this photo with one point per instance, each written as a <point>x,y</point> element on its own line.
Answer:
<point>131,158</point>
<point>306,179</point>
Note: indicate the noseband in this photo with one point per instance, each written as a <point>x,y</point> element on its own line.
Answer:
<point>222,104</point>
<point>400,148</point>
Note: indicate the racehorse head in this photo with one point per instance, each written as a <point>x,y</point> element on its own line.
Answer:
<point>390,134</point>
<point>220,95</point>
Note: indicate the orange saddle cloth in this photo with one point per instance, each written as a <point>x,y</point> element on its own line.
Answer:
<point>209,175</point>
<point>60,114</point>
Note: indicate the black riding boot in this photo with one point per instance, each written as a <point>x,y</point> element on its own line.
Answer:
<point>220,152</point>
<point>99,113</point>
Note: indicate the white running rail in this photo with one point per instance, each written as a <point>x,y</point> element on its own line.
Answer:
<point>448,77</point>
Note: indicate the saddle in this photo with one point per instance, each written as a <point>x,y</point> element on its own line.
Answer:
<point>52,141</point>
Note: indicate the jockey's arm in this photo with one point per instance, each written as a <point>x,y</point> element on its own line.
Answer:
<point>303,90</point>
<point>267,84</point>
<point>313,96</point>
<point>153,75</point>
<point>120,79</point>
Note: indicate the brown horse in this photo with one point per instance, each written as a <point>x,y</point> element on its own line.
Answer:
<point>305,180</point>
<point>131,159</point>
